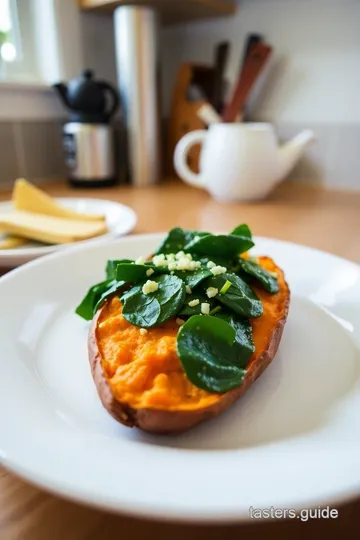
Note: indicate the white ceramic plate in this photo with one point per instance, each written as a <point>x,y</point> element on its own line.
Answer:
<point>120,220</point>
<point>293,441</point>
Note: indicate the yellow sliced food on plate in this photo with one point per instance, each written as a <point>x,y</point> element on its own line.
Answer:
<point>11,242</point>
<point>29,198</point>
<point>50,230</point>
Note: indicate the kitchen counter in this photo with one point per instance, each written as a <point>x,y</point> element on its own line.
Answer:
<point>324,220</point>
<point>298,213</point>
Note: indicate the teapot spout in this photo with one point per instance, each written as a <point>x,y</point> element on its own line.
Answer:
<point>291,152</point>
<point>62,90</point>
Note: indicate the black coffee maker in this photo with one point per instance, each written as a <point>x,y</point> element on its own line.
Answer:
<point>88,136</point>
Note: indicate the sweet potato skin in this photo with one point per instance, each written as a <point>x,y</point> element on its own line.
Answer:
<point>172,422</point>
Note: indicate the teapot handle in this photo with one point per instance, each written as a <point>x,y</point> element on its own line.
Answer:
<point>115,98</point>
<point>180,157</point>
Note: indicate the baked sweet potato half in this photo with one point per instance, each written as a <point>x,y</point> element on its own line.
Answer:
<point>138,373</point>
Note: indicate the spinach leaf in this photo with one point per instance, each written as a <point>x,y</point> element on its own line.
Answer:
<point>114,287</point>
<point>196,310</point>
<point>232,264</point>
<point>208,352</point>
<point>176,240</point>
<point>243,336</point>
<point>239,297</point>
<point>130,292</point>
<point>221,245</point>
<point>96,296</point>
<point>242,230</point>
<point>193,279</point>
<point>142,310</point>
<point>111,267</point>
<point>86,308</point>
<point>134,272</point>
<point>148,310</point>
<point>269,282</point>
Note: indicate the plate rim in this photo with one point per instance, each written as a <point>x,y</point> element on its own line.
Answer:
<point>152,513</point>
<point>42,251</point>
<point>88,245</point>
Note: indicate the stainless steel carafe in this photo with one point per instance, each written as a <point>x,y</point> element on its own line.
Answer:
<point>137,52</point>
<point>88,137</point>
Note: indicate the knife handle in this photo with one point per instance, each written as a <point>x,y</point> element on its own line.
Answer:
<point>256,60</point>
<point>221,59</point>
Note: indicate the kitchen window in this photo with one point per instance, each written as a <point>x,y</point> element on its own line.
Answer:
<point>18,58</point>
<point>40,41</point>
<point>9,35</point>
<point>45,43</point>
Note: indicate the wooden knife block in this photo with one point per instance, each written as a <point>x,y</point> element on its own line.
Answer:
<point>183,119</point>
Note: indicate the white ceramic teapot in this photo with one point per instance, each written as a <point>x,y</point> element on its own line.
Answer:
<point>239,162</point>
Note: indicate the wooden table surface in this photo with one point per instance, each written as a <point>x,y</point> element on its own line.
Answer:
<point>325,220</point>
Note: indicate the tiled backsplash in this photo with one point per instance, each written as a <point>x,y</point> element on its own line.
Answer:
<point>31,149</point>
<point>9,161</point>
<point>333,161</point>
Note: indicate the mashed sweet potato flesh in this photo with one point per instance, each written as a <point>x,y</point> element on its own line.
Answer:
<point>143,369</point>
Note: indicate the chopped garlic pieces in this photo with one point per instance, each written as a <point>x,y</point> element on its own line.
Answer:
<point>188,290</point>
<point>194,303</point>
<point>218,270</point>
<point>149,272</point>
<point>205,308</point>
<point>150,287</point>
<point>159,260</point>
<point>143,331</point>
<point>211,292</point>
<point>179,261</point>
<point>180,322</point>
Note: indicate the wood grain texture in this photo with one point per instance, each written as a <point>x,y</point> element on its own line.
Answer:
<point>324,220</point>
<point>183,118</point>
<point>254,64</point>
<point>170,10</point>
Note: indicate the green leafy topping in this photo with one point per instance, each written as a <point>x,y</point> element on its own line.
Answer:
<point>210,355</point>
<point>269,281</point>
<point>196,310</point>
<point>214,349</point>
<point>142,310</point>
<point>232,264</point>
<point>113,288</point>
<point>240,298</point>
<point>112,265</point>
<point>135,272</point>
<point>242,230</point>
<point>176,240</point>
<point>96,296</point>
<point>153,309</point>
<point>193,279</point>
<point>243,334</point>
<point>221,245</point>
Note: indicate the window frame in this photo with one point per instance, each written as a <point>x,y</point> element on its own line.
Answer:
<point>53,48</point>
<point>29,98</point>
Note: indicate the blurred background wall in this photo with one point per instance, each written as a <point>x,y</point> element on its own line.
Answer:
<point>312,81</point>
